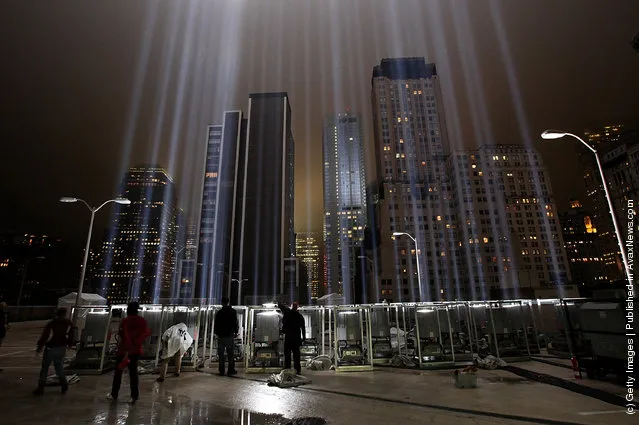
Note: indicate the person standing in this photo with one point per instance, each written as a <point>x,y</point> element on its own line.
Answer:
<point>175,342</point>
<point>226,328</point>
<point>294,335</point>
<point>4,322</point>
<point>132,333</point>
<point>56,336</point>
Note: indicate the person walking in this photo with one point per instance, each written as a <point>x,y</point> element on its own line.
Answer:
<point>175,342</point>
<point>294,335</point>
<point>56,336</point>
<point>226,328</point>
<point>132,333</point>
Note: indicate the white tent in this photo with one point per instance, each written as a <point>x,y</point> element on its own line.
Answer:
<point>68,300</point>
<point>331,299</point>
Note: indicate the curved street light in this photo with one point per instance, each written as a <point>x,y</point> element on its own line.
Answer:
<point>419,271</point>
<point>558,134</point>
<point>68,200</point>
<point>239,289</point>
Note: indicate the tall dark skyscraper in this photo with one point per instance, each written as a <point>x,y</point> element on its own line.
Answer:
<point>246,226</point>
<point>345,214</point>
<point>138,250</point>
<point>217,253</point>
<point>267,235</point>
<point>205,268</point>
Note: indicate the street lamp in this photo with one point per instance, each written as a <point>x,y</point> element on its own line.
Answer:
<point>65,199</point>
<point>177,271</point>
<point>557,134</point>
<point>239,289</point>
<point>419,270</point>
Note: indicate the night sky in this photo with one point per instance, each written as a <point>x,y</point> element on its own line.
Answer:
<point>88,89</point>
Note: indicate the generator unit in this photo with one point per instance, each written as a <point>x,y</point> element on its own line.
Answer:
<point>602,327</point>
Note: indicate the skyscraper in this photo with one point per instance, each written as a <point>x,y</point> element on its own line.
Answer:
<point>218,254</point>
<point>415,194</point>
<point>308,251</point>
<point>345,213</point>
<point>246,226</point>
<point>266,229</point>
<point>581,240</point>
<point>510,238</point>
<point>138,250</point>
<point>205,268</point>
<point>603,140</point>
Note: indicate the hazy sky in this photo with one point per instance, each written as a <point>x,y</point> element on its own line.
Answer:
<point>88,89</point>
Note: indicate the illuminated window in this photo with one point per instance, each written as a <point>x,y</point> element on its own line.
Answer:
<point>211,175</point>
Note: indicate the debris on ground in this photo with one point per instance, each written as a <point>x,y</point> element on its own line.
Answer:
<point>146,367</point>
<point>489,362</point>
<point>466,377</point>
<point>320,363</point>
<point>307,421</point>
<point>53,381</point>
<point>402,360</point>
<point>287,378</point>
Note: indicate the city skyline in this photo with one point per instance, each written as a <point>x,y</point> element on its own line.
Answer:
<point>144,110</point>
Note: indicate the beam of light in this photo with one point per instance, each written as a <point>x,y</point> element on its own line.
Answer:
<point>437,33</point>
<point>473,79</point>
<point>148,28</point>
<point>525,133</point>
<point>198,113</point>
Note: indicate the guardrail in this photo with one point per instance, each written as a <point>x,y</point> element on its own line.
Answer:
<point>421,335</point>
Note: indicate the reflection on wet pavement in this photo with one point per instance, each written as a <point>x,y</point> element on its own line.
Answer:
<point>506,380</point>
<point>183,410</point>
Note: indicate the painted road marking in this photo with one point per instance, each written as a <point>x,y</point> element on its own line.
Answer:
<point>602,412</point>
<point>15,352</point>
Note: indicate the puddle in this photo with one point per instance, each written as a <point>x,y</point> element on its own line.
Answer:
<point>180,409</point>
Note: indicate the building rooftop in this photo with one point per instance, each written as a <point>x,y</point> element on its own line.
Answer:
<point>412,68</point>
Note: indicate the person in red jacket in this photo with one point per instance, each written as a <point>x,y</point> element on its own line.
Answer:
<point>132,333</point>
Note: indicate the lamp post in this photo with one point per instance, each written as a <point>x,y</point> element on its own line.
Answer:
<point>121,201</point>
<point>558,134</point>
<point>239,289</point>
<point>419,270</point>
<point>178,272</point>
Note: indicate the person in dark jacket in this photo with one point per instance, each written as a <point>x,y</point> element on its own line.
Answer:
<point>4,322</point>
<point>56,336</point>
<point>226,328</point>
<point>294,335</point>
<point>132,333</point>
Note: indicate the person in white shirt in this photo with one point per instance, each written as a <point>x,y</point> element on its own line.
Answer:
<point>175,342</point>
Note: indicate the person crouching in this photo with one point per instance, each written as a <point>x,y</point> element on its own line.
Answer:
<point>176,341</point>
